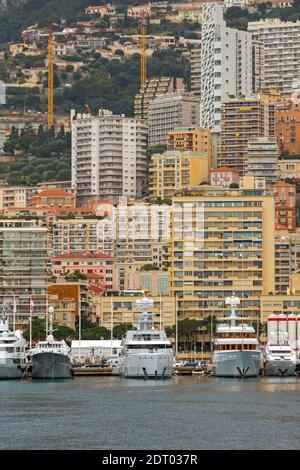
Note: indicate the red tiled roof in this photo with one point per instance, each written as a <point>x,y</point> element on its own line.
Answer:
<point>82,255</point>
<point>54,193</point>
<point>282,183</point>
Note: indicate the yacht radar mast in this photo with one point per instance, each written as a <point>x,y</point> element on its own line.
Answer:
<point>4,318</point>
<point>50,336</point>
<point>145,304</point>
<point>233,301</point>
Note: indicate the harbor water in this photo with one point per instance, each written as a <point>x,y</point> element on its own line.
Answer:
<point>110,413</point>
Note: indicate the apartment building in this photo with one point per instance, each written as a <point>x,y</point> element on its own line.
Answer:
<point>154,282</point>
<point>279,304</point>
<point>169,111</point>
<point>25,267</point>
<point>64,311</point>
<point>190,139</point>
<point>76,292</point>
<point>242,119</point>
<point>14,196</point>
<point>222,242</point>
<point>289,168</point>
<point>56,198</point>
<point>226,65</point>
<point>74,236</point>
<point>288,130</point>
<point>287,259</point>
<point>108,156</point>
<point>196,71</point>
<point>224,177</point>
<point>154,87</point>
<point>285,206</point>
<point>176,170</point>
<point>135,235</point>
<point>279,64</point>
<point>98,264</point>
<point>116,309</point>
<point>262,158</point>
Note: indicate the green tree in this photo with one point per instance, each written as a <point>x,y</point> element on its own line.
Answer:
<point>120,330</point>
<point>38,330</point>
<point>76,276</point>
<point>96,333</point>
<point>65,333</point>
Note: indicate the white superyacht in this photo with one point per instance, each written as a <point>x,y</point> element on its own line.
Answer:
<point>236,347</point>
<point>146,352</point>
<point>12,350</point>
<point>279,357</point>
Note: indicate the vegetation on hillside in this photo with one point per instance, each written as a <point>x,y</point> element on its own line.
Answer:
<point>237,17</point>
<point>49,156</point>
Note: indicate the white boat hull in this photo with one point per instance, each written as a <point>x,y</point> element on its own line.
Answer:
<point>280,368</point>
<point>239,364</point>
<point>147,366</point>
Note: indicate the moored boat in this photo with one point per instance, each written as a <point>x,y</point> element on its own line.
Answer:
<point>12,350</point>
<point>236,347</point>
<point>146,352</point>
<point>51,358</point>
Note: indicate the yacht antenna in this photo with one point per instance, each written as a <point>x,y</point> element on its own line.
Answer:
<point>233,301</point>
<point>50,311</point>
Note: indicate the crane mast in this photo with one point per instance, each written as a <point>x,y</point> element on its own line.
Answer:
<point>143,38</point>
<point>50,75</point>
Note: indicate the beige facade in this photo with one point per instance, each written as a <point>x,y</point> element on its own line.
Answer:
<point>175,171</point>
<point>154,87</point>
<point>14,196</point>
<point>166,112</point>
<point>242,119</point>
<point>287,259</point>
<point>279,64</point>
<point>64,311</point>
<point>113,310</point>
<point>262,158</point>
<point>289,168</point>
<point>25,262</point>
<point>190,139</point>
<point>279,304</point>
<point>154,282</point>
<point>221,242</point>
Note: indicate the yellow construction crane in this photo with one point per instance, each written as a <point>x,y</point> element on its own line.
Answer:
<point>50,75</point>
<point>143,49</point>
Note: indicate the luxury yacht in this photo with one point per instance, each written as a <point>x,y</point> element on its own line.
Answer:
<point>12,350</point>
<point>236,347</point>
<point>51,358</point>
<point>279,357</point>
<point>146,352</point>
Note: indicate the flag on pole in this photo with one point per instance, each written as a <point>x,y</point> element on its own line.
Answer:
<point>31,305</point>
<point>14,311</point>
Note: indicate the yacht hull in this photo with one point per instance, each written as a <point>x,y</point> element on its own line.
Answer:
<point>147,366</point>
<point>49,365</point>
<point>240,364</point>
<point>10,371</point>
<point>280,368</point>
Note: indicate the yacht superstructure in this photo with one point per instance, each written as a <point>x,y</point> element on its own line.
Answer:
<point>146,352</point>
<point>236,347</point>
<point>279,357</point>
<point>12,350</point>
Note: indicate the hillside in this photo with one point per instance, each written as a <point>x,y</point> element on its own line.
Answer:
<point>20,14</point>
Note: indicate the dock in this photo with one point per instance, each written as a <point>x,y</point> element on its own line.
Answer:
<point>92,371</point>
